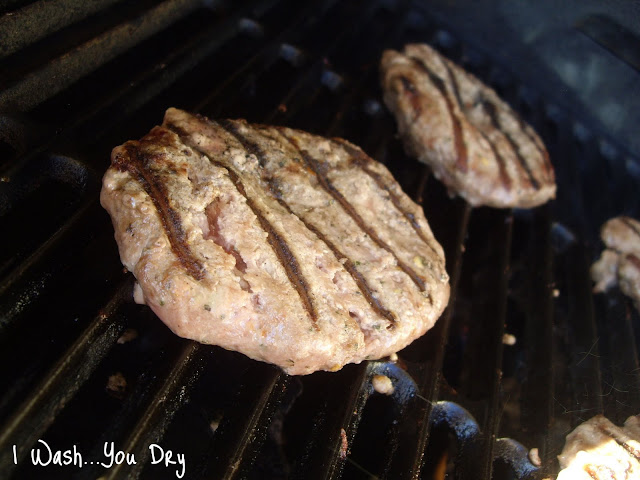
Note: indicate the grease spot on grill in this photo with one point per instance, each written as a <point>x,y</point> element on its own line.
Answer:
<point>561,237</point>
<point>116,385</point>
<point>251,27</point>
<point>372,107</point>
<point>128,335</point>
<point>331,80</point>
<point>344,444</point>
<point>292,54</point>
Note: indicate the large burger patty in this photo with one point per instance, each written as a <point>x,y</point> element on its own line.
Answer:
<point>291,248</point>
<point>472,140</point>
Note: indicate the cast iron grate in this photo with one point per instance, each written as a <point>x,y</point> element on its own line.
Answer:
<point>82,365</point>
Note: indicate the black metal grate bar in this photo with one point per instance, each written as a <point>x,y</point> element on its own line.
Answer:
<point>166,401</point>
<point>37,20</point>
<point>243,428</point>
<point>39,410</point>
<point>61,72</point>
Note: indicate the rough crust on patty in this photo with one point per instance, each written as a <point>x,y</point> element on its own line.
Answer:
<point>598,449</point>
<point>291,248</point>
<point>472,140</point>
<point>619,263</point>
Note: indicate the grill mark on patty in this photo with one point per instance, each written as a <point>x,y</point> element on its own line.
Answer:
<point>627,448</point>
<point>320,171</point>
<point>359,280</point>
<point>137,167</point>
<point>278,244</point>
<point>458,140</point>
<point>414,97</point>
<point>491,110</point>
<point>635,261</point>
<point>502,168</point>
<point>630,225</point>
<point>548,168</point>
<point>280,247</point>
<point>360,159</point>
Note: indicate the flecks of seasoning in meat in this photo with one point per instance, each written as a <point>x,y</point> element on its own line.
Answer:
<point>116,385</point>
<point>344,444</point>
<point>382,384</point>
<point>128,335</point>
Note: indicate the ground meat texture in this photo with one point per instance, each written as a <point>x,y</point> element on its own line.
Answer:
<point>472,140</point>
<point>600,450</point>
<point>261,240</point>
<point>619,264</point>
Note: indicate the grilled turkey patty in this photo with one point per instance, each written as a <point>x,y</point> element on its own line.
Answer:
<point>619,263</point>
<point>288,247</point>
<point>472,140</point>
<point>598,449</point>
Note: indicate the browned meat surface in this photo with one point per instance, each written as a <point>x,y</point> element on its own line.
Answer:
<point>288,247</point>
<point>599,450</point>
<point>472,140</point>
<point>619,264</point>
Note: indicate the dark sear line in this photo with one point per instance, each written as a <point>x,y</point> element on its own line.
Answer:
<point>502,168</point>
<point>414,97</point>
<point>548,168</point>
<point>137,166</point>
<point>628,448</point>
<point>490,110</point>
<point>594,472</point>
<point>288,261</point>
<point>630,225</point>
<point>436,81</point>
<point>361,160</point>
<point>634,260</point>
<point>320,171</point>
<point>360,281</point>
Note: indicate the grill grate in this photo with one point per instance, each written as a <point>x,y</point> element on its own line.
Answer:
<point>464,403</point>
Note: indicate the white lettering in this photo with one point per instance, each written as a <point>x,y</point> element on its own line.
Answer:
<point>15,455</point>
<point>108,452</point>
<point>35,455</point>
<point>183,464</point>
<point>153,448</point>
<point>158,455</point>
<point>116,457</point>
<point>77,457</point>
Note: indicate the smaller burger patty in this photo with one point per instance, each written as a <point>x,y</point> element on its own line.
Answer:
<point>472,140</point>
<point>291,248</point>
<point>619,263</point>
<point>599,450</point>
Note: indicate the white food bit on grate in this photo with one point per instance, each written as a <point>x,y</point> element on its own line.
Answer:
<point>508,339</point>
<point>138,295</point>
<point>382,384</point>
<point>128,335</point>
<point>534,456</point>
<point>393,357</point>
